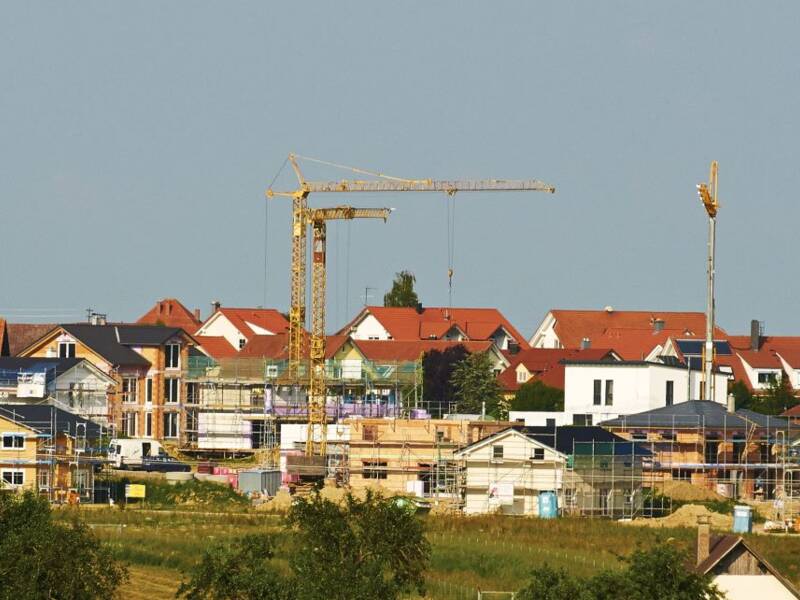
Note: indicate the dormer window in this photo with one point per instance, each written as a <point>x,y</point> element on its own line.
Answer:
<point>522,377</point>
<point>66,349</point>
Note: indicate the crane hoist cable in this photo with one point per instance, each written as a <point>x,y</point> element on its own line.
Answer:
<point>451,244</point>
<point>266,230</point>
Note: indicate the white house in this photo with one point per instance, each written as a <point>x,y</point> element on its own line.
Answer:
<point>506,471</point>
<point>240,325</point>
<point>595,391</point>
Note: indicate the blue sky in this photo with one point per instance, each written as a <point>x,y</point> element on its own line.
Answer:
<point>138,140</point>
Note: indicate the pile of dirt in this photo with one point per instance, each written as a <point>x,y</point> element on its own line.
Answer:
<point>683,490</point>
<point>686,516</point>
<point>281,502</point>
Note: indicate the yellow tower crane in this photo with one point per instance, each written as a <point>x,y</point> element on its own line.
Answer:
<point>301,218</point>
<point>708,196</point>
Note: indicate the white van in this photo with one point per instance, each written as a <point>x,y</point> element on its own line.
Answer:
<point>129,453</point>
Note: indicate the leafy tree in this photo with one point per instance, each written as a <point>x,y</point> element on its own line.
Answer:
<point>40,558</point>
<point>660,571</point>
<point>361,550</point>
<point>474,383</point>
<point>535,395</point>
<point>242,570</point>
<point>437,370</point>
<point>778,397</point>
<point>402,293</point>
<point>741,395</point>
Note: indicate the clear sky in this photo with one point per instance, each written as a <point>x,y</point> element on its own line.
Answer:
<point>138,139</point>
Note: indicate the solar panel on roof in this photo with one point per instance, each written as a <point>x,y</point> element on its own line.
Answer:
<point>695,347</point>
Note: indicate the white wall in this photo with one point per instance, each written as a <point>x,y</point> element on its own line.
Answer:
<point>538,418</point>
<point>370,328</point>
<point>545,336</point>
<point>219,325</point>
<point>228,431</point>
<point>637,388</point>
<point>747,587</point>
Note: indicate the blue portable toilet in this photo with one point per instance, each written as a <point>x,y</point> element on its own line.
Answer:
<point>742,519</point>
<point>548,505</point>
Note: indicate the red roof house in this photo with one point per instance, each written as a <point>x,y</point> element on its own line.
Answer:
<point>170,312</point>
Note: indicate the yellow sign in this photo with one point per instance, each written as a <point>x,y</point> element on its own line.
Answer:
<point>134,490</point>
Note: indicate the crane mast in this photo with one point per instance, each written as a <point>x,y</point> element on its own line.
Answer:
<point>302,216</point>
<point>708,196</point>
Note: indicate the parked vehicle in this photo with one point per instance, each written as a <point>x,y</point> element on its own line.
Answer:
<point>142,454</point>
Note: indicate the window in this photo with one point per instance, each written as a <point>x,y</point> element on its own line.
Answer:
<point>193,392</point>
<point>173,360</point>
<point>148,391</point>
<point>538,454</point>
<point>669,392</point>
<point>172,389</point>
<point>43,479</point>
<point>370,433</point>
<point>13,441</point>
<point>582,420</point>
<point>497,452</point>
<point>272,370</point>
<point>242,343</point>
<point>609,392</point>
<point>130,424</point>
<point>522,377</point>
<point>148,425</point>
<point>13,477</point>
<point>550,423</point>
<point>171,425</point>
<point>598,385</point>
<point>66,349</point>
<point>767,377</point>
<point>130,387</point>
<point>639,437</point>
<point>374,469</point>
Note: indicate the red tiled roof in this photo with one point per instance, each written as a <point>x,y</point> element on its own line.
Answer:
<point>216,346</point>
<point>792,412</point>
<point>398,351</point>
<point>632,334</point>
<point>406,324</point>
<point>3,344</point>
<point>277,346</point>
<point>265,318</point>
<point>171,313</point>
<point>22,335</point>
<point>762,359</point>
<point>545,365</point>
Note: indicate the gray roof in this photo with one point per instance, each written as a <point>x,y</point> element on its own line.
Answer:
<point>49,419</point>
<point>697,413</point>
<point>112,341</point>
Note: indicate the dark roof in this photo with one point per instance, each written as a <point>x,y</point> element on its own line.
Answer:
<point>48,419</point>
<point>695,413</point>
<point>22,335</point>
<point>103,340</point>
<point>567,437</point>
<point>722,545</point>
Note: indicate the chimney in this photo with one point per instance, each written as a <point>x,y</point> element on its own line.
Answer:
<point>97,319</point>
<point>419,308</point>
<point>215,306</point>
<point>731,403</point>
<point>703,538</point>
<point>586,343</point>
<point>197,313</point>
<point>658,325</point>
<point>755,335</point>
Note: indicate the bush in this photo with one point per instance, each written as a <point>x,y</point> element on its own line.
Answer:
<point>40,558</point>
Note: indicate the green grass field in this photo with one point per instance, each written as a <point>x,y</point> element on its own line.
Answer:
<point>490,553</point>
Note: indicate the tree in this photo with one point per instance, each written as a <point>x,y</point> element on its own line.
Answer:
<point>535,395</point>
<point>242,570</point>
<point>778,397</point>
<point>660,571</point>
<point>40,558</point>
<point>437,370</point>
<point>741,395</point>
<point>474,383</point>
<point>361,550</point>
<point>402,293</point>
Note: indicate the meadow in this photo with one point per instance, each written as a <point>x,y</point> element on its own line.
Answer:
<point>489,553</point>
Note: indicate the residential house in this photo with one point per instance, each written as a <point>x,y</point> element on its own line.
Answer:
<point>48,450</point>
<point>737,569</point>
<point>435,323</point>
<point>412,455</point>
<point>634,335</point>
<point>598,390</point>
<point>19,336</point>
<point>170,312</point>
<point>240,325</point>
<point>147,363</point>
<point>737,454</point>
<point>73,384</point>
<point>589,470</point>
